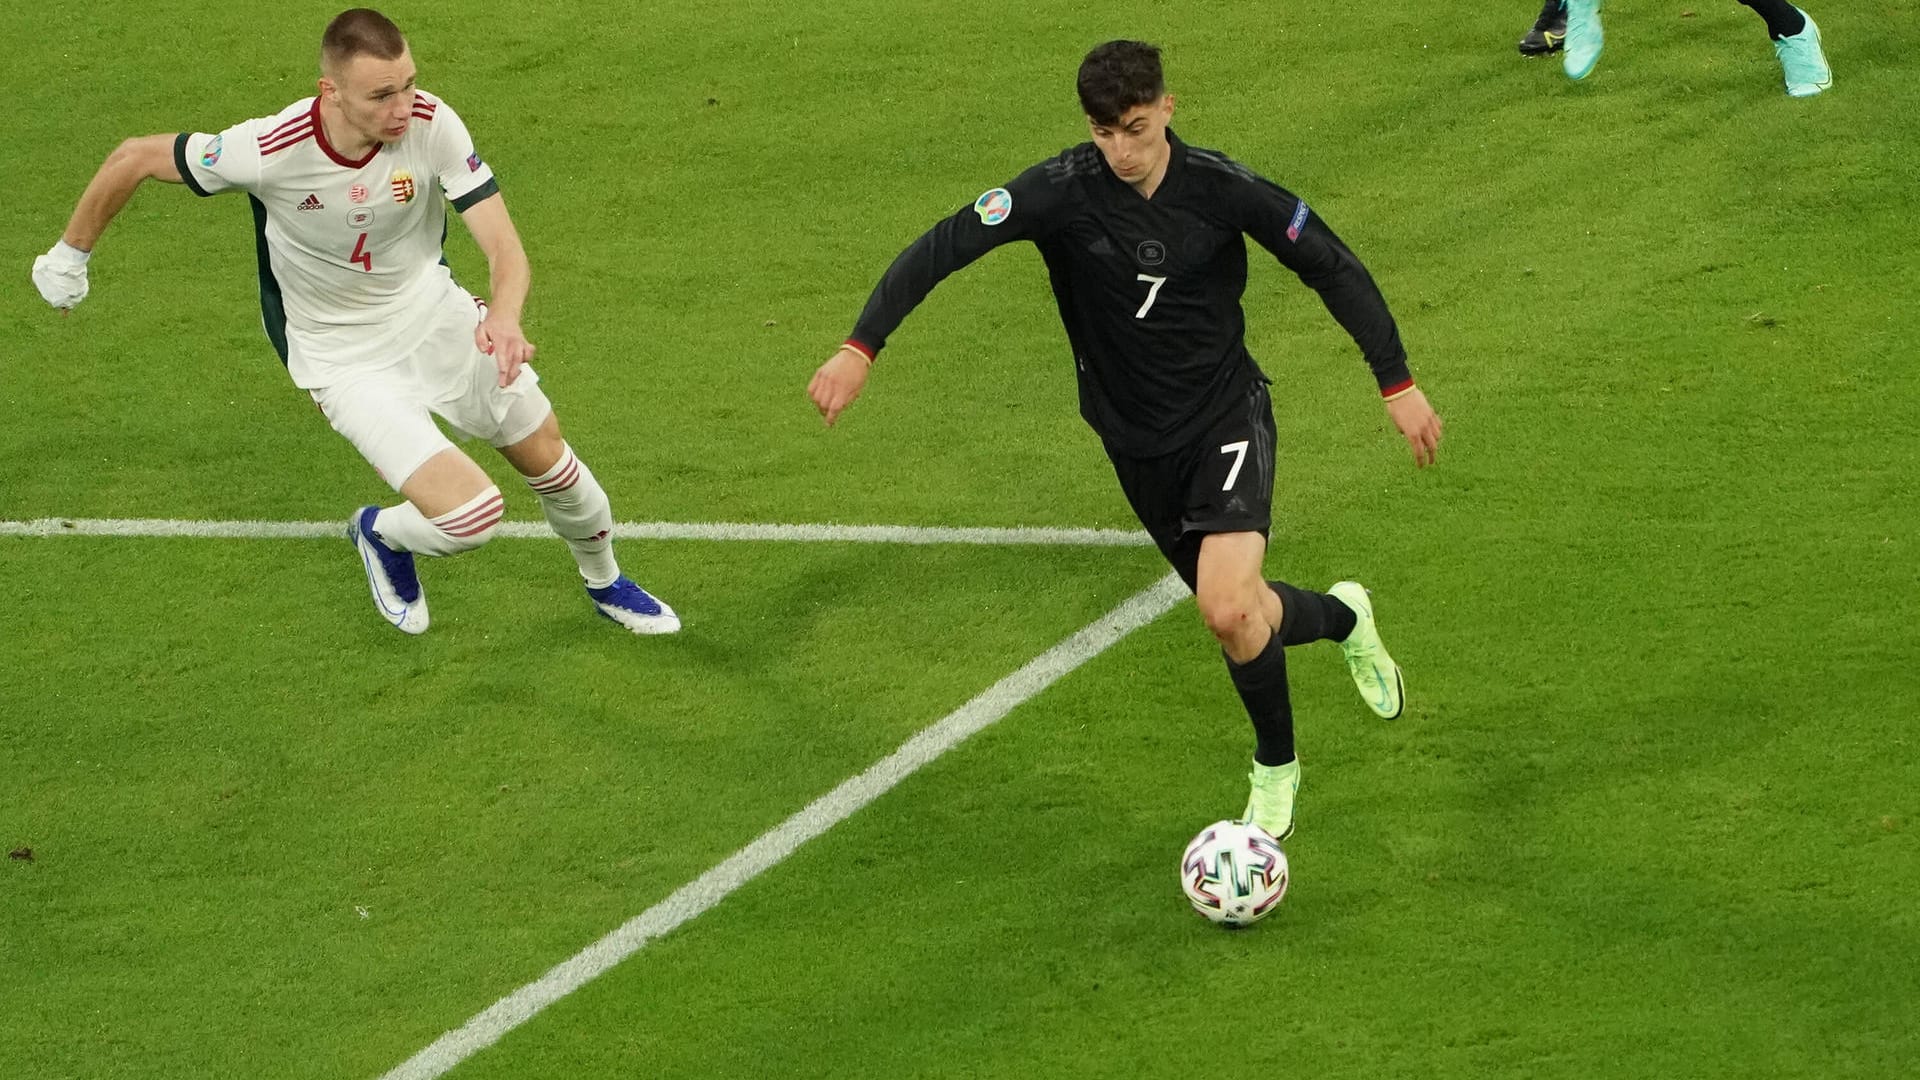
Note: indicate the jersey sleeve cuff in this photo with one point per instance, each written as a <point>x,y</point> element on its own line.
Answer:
<point>1391,373</point>
<point>180,163</point>
<point>477,195</point>
<point>861,348</point>
<point>1397,390</point>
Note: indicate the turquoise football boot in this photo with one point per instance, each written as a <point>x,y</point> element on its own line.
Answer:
<point>1803,62</point>
<point>1585,38</point>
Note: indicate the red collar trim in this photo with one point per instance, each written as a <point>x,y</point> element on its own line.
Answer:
<point>320,136</point>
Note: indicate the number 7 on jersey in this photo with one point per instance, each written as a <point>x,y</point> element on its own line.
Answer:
<point>1153,290</point>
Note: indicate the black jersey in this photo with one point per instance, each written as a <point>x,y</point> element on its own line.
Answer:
<point>1149,289</point>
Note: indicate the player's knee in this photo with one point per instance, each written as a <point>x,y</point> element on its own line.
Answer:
<point>472,524</point>
<point>1228,615</point>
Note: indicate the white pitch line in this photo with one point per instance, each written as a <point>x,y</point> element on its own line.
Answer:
<point>634,530</point>
<point>696,897</point>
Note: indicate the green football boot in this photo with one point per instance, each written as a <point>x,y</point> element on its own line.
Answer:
<point>1373,671</point>
<point>1270,805</point>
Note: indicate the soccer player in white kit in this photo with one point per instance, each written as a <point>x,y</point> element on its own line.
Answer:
<point>358,302</point>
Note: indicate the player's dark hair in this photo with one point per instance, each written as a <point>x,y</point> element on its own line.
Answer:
<point>360,32</point>
<point>1117,76</point>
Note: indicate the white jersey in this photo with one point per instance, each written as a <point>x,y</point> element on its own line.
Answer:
<point>351,270</point>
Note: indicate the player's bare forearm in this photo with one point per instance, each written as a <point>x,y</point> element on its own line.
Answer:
<point>149,157</point>
<point>509,276</point>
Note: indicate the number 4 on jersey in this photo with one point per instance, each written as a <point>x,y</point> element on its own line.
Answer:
<point>361,255</point>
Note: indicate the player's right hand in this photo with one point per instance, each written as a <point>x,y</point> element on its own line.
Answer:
<point>61,275</point>
<point>1419,423</point>
<point>838,382</point>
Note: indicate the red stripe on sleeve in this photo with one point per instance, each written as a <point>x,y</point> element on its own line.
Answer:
<point>275,143</point>
<point>303,118</point>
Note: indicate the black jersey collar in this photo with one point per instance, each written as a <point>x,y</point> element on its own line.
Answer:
<point>1176,168</point>
<point>1176,163</point>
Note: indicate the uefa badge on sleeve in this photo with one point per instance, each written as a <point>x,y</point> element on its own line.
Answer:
<point>995,206</point>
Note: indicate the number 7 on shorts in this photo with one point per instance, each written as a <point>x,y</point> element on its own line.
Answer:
<point>1239,452</point>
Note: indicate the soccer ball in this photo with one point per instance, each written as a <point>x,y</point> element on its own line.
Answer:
<point>1234,873</point>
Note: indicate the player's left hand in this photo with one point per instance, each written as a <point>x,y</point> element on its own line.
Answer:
<point>501,339</point>
<point>1419,423</point>
<point>61,276</point>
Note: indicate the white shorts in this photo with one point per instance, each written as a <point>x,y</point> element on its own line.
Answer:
<point>387,413</point>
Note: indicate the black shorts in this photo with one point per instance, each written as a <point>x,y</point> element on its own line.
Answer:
<point>1223,482</point>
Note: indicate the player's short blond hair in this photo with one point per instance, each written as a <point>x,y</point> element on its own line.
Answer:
<point>359,32</point>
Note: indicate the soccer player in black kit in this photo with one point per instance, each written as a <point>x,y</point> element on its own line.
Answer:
<point>1143,240</point>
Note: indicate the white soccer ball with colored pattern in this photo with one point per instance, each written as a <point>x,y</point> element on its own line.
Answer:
<point>1234,873</point>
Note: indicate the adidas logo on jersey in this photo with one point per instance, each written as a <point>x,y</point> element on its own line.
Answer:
<point>312,203</point>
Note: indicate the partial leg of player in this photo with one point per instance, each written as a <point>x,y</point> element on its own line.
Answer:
<point>1549,31</point>
<point>577,508</point>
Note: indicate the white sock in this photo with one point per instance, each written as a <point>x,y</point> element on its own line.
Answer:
<point>577,508</point>
<point>465,527</point>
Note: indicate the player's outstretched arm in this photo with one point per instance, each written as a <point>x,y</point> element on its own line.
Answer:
<point>61,274</point>
<point>1026,209</point>
<point>839,381</point>
<point>509,277</point>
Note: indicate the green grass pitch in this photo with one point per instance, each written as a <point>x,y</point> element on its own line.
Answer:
<point>1652,811</point>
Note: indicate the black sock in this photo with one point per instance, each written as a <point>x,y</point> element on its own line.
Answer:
<point>1783,19</point>
<point>1550,12</point>
<point>1262,682</point>
<point>1311,616</point>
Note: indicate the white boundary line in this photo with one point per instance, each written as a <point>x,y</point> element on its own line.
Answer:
<point>632,530</point>
<point>701,894</point>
